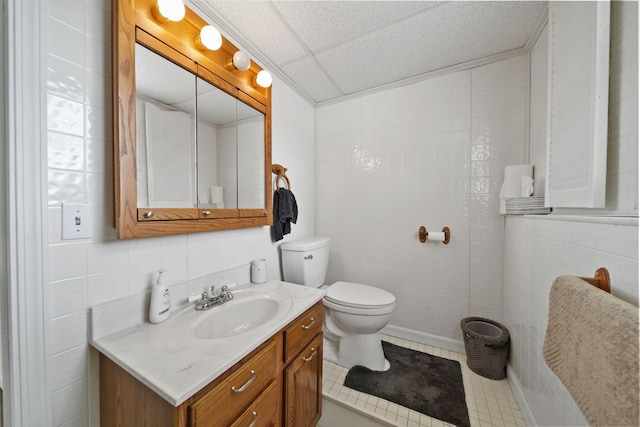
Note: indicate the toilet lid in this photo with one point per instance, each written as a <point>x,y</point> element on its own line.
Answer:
<point>357,295</point>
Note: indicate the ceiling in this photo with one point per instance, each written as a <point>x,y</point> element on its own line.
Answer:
<point>331,49</point>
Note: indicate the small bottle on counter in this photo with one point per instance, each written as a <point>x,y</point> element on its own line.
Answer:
<point>258,270</point>
<point>160,307</point>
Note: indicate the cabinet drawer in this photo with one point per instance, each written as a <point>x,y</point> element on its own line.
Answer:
<point>225,401</point>
<point>302,330</point>
<point>263,411</point>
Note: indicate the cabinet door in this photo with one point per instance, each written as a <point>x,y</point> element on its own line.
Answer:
<point>578,104</point>
<point>303,386</point>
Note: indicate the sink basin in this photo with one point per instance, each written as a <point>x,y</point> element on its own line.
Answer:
<point>236,317</point>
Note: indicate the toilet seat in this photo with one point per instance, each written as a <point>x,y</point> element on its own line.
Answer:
<point>358,298</point>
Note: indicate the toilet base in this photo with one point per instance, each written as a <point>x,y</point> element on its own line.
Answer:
<point>356,349</point>
<point>329,350</point>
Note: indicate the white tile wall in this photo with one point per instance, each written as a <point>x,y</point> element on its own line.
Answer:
<point>498,138</point>
<point>80,150</point>
<point>538,112</point>
<point>433,154</point>
<point>538,250</point>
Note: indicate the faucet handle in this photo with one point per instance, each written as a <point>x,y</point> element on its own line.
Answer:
<point>226,292</point>
<point>203,302</point>
<point>193,298</point>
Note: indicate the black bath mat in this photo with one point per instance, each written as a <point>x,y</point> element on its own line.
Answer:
<point>428,384</point>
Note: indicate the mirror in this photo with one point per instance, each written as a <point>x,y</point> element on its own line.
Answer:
<point>217,147</point>
<point>192,134</point>
<point>165,132</point>
<point>251,186</point>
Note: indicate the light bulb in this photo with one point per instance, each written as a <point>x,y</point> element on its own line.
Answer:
<point>264,79</point>
<point>209,38</point>
<point>241,61</point>
<point>169,10</point>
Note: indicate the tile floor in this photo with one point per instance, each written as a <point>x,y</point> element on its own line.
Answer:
<point>490,402</point>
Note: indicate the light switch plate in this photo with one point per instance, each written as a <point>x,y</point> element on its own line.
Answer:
<point>76,221</point>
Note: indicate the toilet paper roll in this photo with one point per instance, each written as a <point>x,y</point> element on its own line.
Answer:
<point>436,236</point>
<point>512,184</point>
<point>527,186</point>
<point>510,189</point>
<point>216,194</point>
<point>514,172</point>
<point>203,197</point>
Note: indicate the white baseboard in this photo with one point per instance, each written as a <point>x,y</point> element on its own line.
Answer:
<point>424,338</point>
<point>518,393</point>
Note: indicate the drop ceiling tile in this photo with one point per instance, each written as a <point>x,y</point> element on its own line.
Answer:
<point>261,26</point>
<point>364,44</point>
<point>311,80</point>
<point>323,24</point>
<point>454,33</point>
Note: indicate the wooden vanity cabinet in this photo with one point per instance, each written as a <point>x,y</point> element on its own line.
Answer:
<point>303,386</point>
<point>279,383</point>
<point>263,412</point>
<point>222,404</point>
<point>303,373</point>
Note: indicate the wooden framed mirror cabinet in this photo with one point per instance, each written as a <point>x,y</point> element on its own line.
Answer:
<point>192,132</point>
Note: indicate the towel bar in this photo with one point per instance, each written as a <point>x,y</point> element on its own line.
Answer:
<point>600,280</point>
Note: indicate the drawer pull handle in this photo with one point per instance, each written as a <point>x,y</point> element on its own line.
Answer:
<point>255,419</point>
<point>313,322</point>
<point>308,359</point>
<point>245,385</point>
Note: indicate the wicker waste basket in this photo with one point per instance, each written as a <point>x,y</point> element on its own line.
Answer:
<point>487,345</point>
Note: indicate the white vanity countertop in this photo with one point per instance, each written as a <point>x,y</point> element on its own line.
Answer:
<point>167,358</point>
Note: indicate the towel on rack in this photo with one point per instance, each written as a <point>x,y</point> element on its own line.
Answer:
<point>285,212</point>
<point>591,344</point>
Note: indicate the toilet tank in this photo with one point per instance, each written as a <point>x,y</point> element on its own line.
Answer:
<point>305,261</point>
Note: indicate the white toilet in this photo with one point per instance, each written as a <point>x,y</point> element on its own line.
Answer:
<point>354,314</point>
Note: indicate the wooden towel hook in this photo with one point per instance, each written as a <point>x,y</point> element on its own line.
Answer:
<point>600,280</point>
<point>281,171</point>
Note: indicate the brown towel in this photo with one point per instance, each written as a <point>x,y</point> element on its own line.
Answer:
<point>592,346</point>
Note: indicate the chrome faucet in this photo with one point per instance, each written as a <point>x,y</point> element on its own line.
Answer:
<point>211,298</point>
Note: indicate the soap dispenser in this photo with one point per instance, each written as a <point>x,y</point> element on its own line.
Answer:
<point>160,308</point>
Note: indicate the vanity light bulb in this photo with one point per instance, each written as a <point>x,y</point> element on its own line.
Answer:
<point>210,37</point>
<point>241,61</point>
<point>264,79</point>
<point>170,10</point>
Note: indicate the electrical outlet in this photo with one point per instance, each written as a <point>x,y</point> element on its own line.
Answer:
<point>76,221</point>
